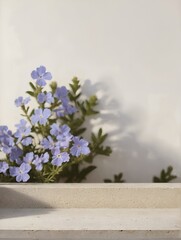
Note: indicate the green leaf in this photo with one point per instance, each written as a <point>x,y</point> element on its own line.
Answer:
<point>75,86</point>
<point>93,137</point>
<point>84,172</point>
<point>80,131</point>
<point>165,175</point>
<point>30,93</point>
<point>107,180</point>
<point>31,112</point>
<point>117,179</point>
<point>32,86</point>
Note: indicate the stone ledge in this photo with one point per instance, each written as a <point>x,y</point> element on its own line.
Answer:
<point>90,195</point>
<point>90,223</point>
<point>90,211</point>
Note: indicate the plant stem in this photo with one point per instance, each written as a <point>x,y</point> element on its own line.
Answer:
<point>52,175</point>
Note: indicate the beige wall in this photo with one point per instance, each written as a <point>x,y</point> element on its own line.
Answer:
<point>127,51</point>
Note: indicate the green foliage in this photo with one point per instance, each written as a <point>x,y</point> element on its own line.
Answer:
<point>74,174</point>
<point>117,179</point>
<point>165,176</point>
<point>86,108</point>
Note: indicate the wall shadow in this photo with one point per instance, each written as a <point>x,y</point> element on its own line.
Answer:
<point>139,161</point>
<point>14,204</point>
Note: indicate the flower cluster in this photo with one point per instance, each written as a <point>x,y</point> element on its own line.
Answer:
<point>41,145</point>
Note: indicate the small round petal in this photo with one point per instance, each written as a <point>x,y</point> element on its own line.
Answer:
<point>34,119</point>
<point>47,76</point>
<point>15,154</point>
<point>43,121</point>
<point>46,113</point>
<point>39,167</point>
<point>69,109</point>
<point>61,92</point>
<point>41,97</point>
<point>34,74</point>
<point>27,159</point>
<point>41,82</point>
<point>25,177</point>
<point>19,101</point>
<point>48,143</point>
<point>75,151</point>
<point>3,167</point>
<point>13,171</point>
<point>41,70</point>
<point>49,98</point>
<point>25,167</point>
<point>85,150</point>
<point>45,158</point>
<point>27,141</point>
<point>19,178</point>
<point>3,129</point>
<point>60,112</point>
<point>26,100</point>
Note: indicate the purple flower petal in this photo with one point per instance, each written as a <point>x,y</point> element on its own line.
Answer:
<point>19,178</point>
<point>41,70</point>
<point>47,76</point>
<point>41,82</point>
<point>60,158</point>
<point>41,97</point>
<point>3,167</point>
<point>34,74</point>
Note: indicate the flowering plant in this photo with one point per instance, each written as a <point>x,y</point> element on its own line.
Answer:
<point>48,145</point>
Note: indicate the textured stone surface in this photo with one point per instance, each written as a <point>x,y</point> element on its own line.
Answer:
<point>90,211</point>
<point>90,195</point>
<point>117,222</point>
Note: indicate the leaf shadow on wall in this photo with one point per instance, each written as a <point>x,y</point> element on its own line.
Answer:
<point>139,161</point>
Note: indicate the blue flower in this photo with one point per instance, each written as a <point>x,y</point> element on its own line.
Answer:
<point>5,131</point>
<point>65,109</point>
<point>62,134</point>
<point>60,112</point>
<point>22,130</point>
<point>41,116</point>
<point>21,173</point>
<point>42,97</point>
<point>27,141</point>
<point>38,162</point>
<point>15,155</point>
<point>69,109</point>
<point>3,167</point>
<point>62,94</point>
<point>64,140</point>
<point>28,157</point>
<point>48,143</point>
<point>57,129</point>
<point>49,98</point>
<point>20,101</point>
<point>6,140</point>
<point>59,157</point>
<point>79,147</point>
<point>40,75</point>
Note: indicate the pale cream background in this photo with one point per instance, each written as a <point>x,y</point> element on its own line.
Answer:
<point>128,52</point>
